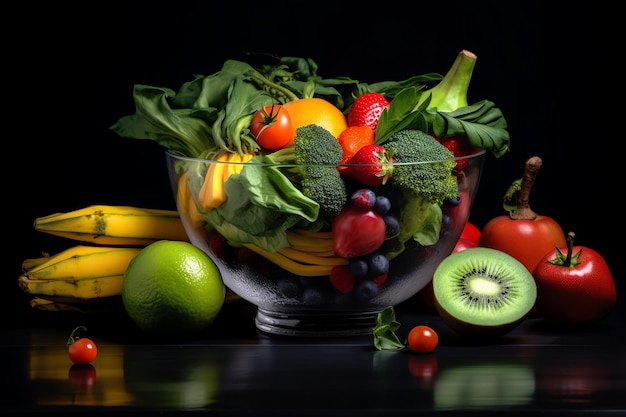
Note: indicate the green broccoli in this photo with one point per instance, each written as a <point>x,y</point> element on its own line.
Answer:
<point>319,153</point>
<point>424,186</point>
<point>434,181</point>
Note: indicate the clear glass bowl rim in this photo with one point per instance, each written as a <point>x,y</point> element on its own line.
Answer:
<point>287,165</point>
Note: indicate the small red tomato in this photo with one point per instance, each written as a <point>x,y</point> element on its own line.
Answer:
<point>271,127</point>
<point>574,285</point>
<point>422,339</point>
<point>81,350</point>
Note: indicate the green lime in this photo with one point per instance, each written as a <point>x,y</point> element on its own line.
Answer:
<point>172,286</point>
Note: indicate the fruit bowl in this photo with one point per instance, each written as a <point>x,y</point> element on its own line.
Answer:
<point>291,270</point>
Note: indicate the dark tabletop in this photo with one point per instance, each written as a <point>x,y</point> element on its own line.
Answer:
<point>233,369</point>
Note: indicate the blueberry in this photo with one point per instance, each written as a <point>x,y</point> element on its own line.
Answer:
<point>378,264</point>
<point>366,289</point>
<point>363,199</point>
<point>358,267</point>
<point>446,222</point>
<point>312,296</point>
<point>289,288</point>
<point>382,205</point>
<point>452,202</point>
<point>392,226</point>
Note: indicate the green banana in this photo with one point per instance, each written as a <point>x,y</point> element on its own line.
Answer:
<point>114,225</point>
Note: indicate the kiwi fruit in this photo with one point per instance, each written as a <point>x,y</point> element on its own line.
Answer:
<point>483,291</point>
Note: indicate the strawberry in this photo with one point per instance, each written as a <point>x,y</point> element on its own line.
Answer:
<point>459,146</point>
<point>372,166</point>
<point>366,110</point>
<point>357,233</point>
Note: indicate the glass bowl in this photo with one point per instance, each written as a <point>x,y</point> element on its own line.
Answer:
<point>295,292</point>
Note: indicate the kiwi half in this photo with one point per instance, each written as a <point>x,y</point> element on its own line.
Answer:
<point>483,291</point>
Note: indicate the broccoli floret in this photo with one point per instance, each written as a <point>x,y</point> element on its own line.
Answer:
<point>434,181</point>
<point>319,153</point>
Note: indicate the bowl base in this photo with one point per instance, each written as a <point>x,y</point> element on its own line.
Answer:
<point>328,324</point>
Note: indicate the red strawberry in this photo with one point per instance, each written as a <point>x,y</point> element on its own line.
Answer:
<point>372,166</point>
<point>357,233</point>
<point>366,110</point>
<point>459,146</point>
<point>342,279</point>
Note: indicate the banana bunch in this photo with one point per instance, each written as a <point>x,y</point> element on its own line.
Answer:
<point>88,277</point>
<point>81,273</point>
<point>311,253</point>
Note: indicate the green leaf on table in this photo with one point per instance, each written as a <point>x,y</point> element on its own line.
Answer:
<point>384,332</point>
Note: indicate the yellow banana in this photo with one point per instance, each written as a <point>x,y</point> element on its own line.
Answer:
<point>30,263</point>
<point>288,264</point>
<point>310,242</point>
<point>80,289</point>
<point>114,225</point>
<point>70,306</point>
<point>234,167</point>
<point>84,262</point>
<point>312,258</point>
<point>187,204</point>
<point>212,192</point>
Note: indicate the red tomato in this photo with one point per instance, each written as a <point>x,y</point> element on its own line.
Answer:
<point>525,240</point>
<point>471,232</point>
<point>523,234</point>
<point>574,285</point>
<point>271,127</point>
<point>81,350</point>
<point>422,339</point>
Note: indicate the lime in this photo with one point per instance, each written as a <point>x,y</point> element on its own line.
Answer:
<point>172,286</point>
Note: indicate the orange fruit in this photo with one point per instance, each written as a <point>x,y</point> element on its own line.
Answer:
<point>172,286</point>
<point>317,111</point>
<point>354,138</point>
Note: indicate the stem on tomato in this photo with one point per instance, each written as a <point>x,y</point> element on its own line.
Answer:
<point>570,249</point>
<point>72,338</point>
<point>523,210</point>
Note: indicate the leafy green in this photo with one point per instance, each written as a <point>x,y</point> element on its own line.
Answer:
<point>262,204</point>
<point>385,337</point>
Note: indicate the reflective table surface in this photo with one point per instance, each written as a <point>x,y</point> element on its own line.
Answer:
<point>232,369</point>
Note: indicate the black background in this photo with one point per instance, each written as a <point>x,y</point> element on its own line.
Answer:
<point>72,70</point>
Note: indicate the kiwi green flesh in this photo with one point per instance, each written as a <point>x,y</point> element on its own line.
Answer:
<point>483,291</point>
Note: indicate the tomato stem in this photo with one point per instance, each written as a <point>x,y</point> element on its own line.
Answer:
<point>72,338</point>
<point>523,210</point>
<point>570,249</point>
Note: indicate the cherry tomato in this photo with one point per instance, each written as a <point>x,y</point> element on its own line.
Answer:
<point>422,339</point>
<point>81,350</point>
<point>272,128</point>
